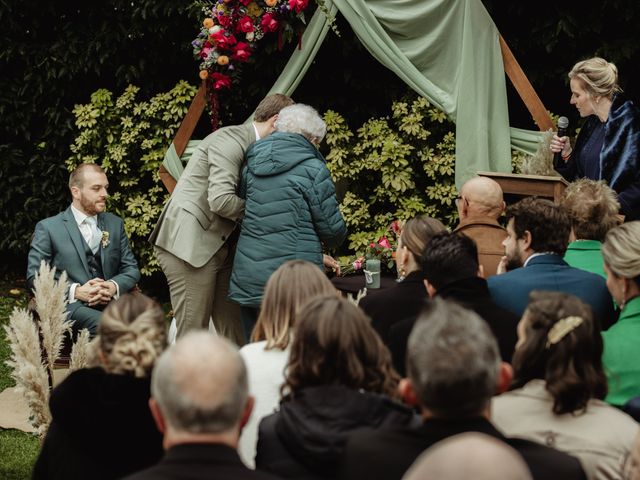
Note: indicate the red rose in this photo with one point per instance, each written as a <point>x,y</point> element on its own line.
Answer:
<point>223,41</point>
<point>298,5</point>
<point>224,20</point>
<point>245,24</point>
<point>384,242</point>
<point>220,80</point>
<point>242,52</point>
<point>245,2</point>
<point>269,23</point>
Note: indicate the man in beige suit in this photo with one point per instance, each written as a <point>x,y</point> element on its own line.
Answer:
<point>194,239</point>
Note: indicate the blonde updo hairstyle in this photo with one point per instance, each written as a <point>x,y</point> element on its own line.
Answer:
<point>599,77</point>
<point>621,251</point>
<point>131,335</point>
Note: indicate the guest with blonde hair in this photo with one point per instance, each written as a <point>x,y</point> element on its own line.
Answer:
<point>101,425</point>
<point>621,253</point>
<point>559,386</point>
<point>289,288</point>
<point>608,146</point>
<point>592,207</point>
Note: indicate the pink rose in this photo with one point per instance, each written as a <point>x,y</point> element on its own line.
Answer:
<point>205,52</point>
<point>357,265</point>
<point>298,5</point>
<point>220,81</point>
<point>269,23</point>
<point>383,242</point>
<point>245,24</point>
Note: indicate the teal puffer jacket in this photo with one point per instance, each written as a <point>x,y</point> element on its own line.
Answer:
<point>291,210</point>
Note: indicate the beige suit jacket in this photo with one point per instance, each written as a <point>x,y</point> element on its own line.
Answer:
<point>204,208</point>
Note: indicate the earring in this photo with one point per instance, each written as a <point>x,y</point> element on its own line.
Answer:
<point>401,272</point>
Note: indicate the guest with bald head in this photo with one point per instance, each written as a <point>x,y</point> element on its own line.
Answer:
<point>485,458</point>
<point>480,204</point>
<point>200,402</point>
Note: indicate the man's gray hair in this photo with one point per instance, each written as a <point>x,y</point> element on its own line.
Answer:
<point>200,384</point>
<point>452,360</point>
<point>302,119</point>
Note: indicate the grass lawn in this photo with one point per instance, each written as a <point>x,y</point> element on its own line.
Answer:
<point>18,450</point>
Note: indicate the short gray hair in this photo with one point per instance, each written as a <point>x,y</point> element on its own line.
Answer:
<point>302,119</point>
<point>452,360</point>
<point>200,384</point>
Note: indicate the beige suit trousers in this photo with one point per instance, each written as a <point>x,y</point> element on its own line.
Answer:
<point>200,293</point>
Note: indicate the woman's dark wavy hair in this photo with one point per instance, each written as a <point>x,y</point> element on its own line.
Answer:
<point>334,344</point>
<point>571,368</point>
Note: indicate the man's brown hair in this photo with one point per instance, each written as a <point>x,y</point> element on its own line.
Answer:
<point>592,207</point>
<point>270,106</point>
<point>547,223</point>
<point>76,178</point>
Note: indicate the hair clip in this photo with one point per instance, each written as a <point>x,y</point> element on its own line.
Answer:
<point>562,328</point>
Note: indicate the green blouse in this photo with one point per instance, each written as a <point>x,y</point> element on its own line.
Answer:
<point>620,358</point>
<point>586,255</point>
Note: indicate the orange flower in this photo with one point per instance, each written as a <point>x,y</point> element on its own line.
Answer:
<point>203,74</point>
<point>208,22</point>
<point>271,3</point>
<point>223,60</point>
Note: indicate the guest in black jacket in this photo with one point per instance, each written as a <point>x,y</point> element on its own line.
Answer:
<point>406,299</point>
<point>454,370</point>
<point>101,426</point>
<point>451,269</point>
<point>339,379</point>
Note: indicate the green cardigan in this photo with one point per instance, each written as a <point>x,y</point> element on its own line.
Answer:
<point>620,356</point>
<point>586,255</point>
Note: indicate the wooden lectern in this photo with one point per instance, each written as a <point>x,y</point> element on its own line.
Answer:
<point>516,187</point>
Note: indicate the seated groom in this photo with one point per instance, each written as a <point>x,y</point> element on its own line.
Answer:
<point>90,245</point>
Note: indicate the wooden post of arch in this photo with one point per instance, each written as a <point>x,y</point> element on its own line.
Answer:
<point>525,89</point>
<point>185,131</point>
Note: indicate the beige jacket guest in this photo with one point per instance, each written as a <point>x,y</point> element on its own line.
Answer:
<point>191,238</point>
<point>527,413</point>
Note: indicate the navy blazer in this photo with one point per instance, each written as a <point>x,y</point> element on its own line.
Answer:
<point>550,272</point>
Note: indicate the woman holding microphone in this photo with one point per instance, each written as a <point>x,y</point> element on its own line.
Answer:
<point>608,145</point>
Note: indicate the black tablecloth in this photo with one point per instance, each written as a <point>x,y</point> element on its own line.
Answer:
<point>355,283</point>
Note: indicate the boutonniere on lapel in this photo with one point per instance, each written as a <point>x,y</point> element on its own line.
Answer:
<point>105,239</point>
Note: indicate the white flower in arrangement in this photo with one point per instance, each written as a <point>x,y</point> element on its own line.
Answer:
<point>214,29</point>
<point>250,36</point>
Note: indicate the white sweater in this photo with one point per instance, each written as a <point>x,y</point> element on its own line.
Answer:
<point>265,370</point>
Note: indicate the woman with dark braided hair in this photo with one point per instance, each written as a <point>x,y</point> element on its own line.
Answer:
<point>559,386</point>
<point>101,425</point>
<point>339,379</point>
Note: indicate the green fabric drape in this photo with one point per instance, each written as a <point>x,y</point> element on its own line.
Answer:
<point>447,51</point>
<point>174,164</point>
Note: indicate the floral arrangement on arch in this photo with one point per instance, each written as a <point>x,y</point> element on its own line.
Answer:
<point>384,249</point>
<point>231,30</point>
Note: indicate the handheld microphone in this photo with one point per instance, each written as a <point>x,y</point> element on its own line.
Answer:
<point>563,124</point>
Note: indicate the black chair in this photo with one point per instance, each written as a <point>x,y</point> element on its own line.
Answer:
<point>632,407</point>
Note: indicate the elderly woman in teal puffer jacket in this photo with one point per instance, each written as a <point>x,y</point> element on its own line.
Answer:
<point>291,208</point>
